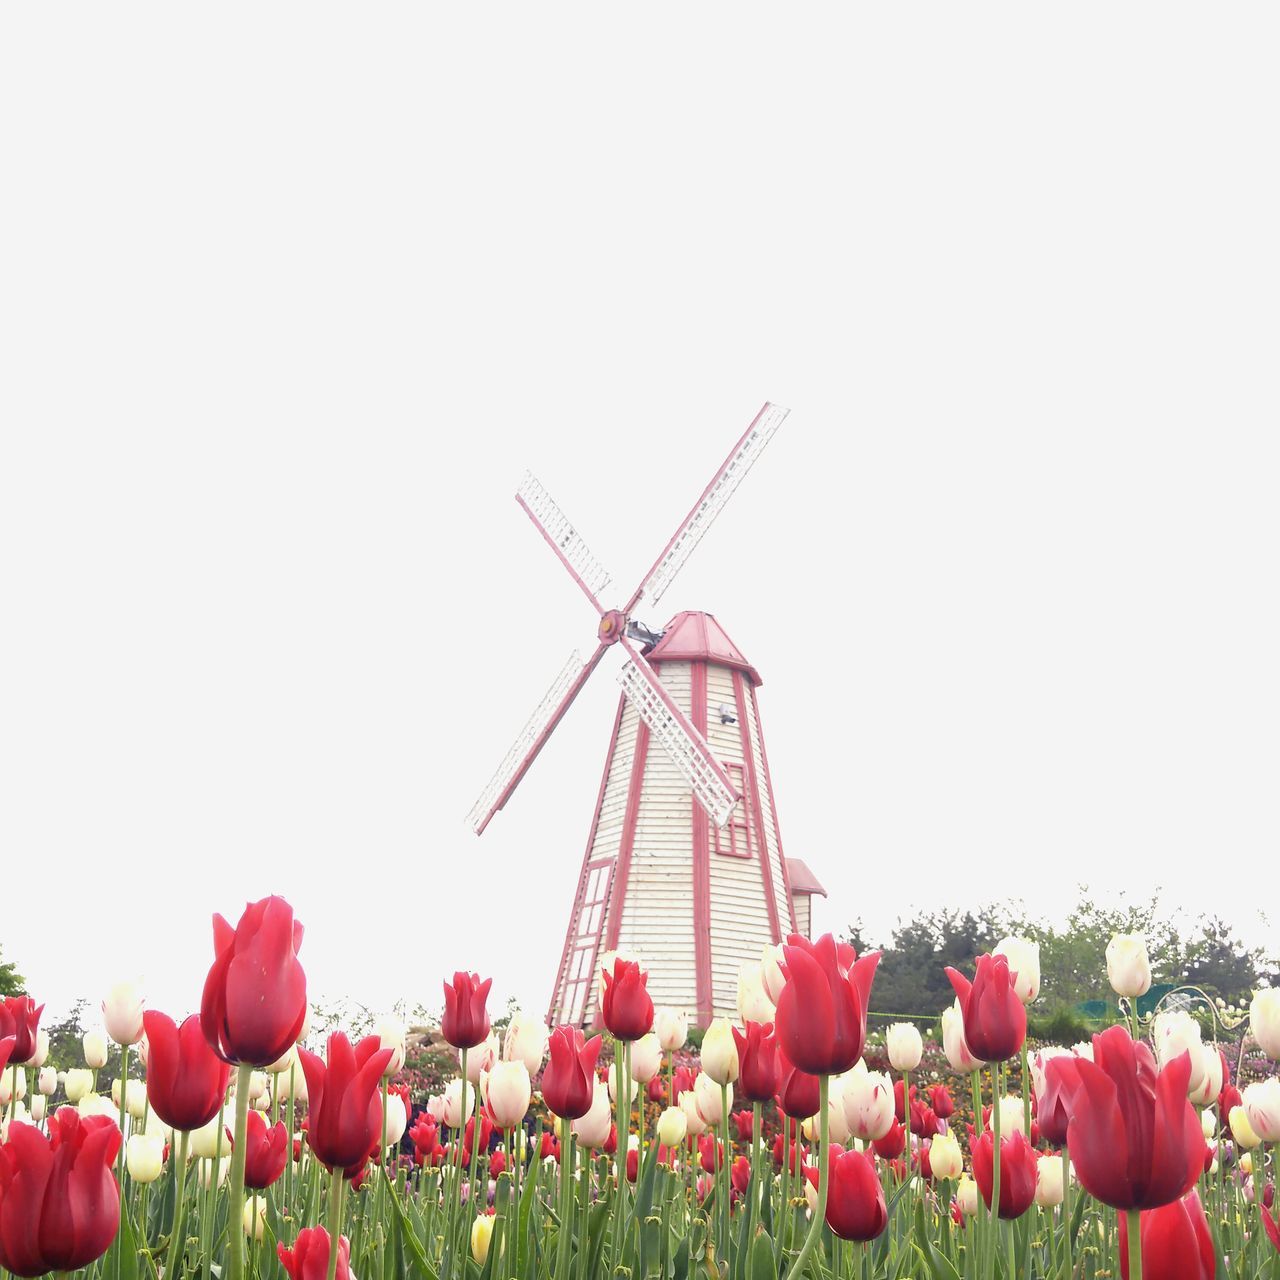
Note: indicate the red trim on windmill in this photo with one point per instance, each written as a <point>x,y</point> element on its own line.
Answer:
<point>753,798</point>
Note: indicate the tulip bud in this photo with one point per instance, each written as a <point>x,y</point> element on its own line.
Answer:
<point>254,1217</point>
<point>95,1049</point>
<point>7,1091</point>
<point>122,1013</point>
<point>48,1081</point>
<point>1242,1130</point>
<point>867,1098</point>
<point>953,1041</point>
<point>397,1119</point>
<point>1041,1059</point>
<point>79,1081</point>
<point>771,974</point>
<point>754,1004</point>
<point>289,1058</point>
<point>1049,1186</point>
<point>905,1047</point>
<point>481,1058</point>
<point>672,1127</point>
<point>967,1196</point>
<point>1176,1032</point>
<point>157,1128</point>
<point>1128,968</point>
<point>1262,1106</point>
<point>1023,956</point>
<point>1245,1165</point>
<point>671,1027</point>
<point>706,1092</point>
<point>481,1235</point>
<point>613,1088</point>
<point>646,1058</point>
<point>1264,1021</point>
<point>592,1130</point>
<point>526,1040</point>
<point>392,1034</point>
<point>509,1093</point>
<point>204,1141</point>
<point>720,1052</point>
<point>292,1083</point>
<point>144,1156</point>
<point>97,1104</point>
<point>436,1107</point>
<point>453,1117</point>
<point>1210,1076</point>
<point>945,1157</point>
<point>1012,1116</point>
<point>1208,1125</point>
<point>38,1105</point>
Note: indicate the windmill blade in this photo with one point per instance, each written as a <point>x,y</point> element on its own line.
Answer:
<point>710,504</point>
<point>563,538</point>
<point>679,738</point>
<point>533,737</point>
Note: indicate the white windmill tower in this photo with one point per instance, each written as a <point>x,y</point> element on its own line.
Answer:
<point>684,860</point>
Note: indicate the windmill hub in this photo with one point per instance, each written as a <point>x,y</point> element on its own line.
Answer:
<point>613,626</point>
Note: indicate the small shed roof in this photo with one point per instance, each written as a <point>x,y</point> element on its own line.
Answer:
<point>802,879</point>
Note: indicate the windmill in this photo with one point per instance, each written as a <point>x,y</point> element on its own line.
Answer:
<point>684,860</point>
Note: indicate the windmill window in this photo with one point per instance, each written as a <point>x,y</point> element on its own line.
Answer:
<point>736,838</point>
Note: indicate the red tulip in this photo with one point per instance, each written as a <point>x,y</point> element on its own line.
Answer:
<point>940,1099</point>
<point>627,1007</point>
<point>568,1083</point>
<point>309,1257</point>
<point>20,1018</point>
<point>466,1018</point>
<point>266,1151</point>
<point>822,1011</point>
<point>1061,1080</point>
<point>740,1175</point>
<point>611,1142</point>
<point>757,1062</point>
<point>922,1161</point>
<point>468,1136</point>
<point>898,1110</point>
<point>924,1121</point>
<point>682,1080</point>
<point>794,1153</point>
<point>1269,1224</point>
<point>548,1146</point>
<point>425,1136</point>
<point>255,997</point>
<point>633,1164</point>
<point>1133,1136</point>
<point>59,1201</point>
<point>856,1208</point>
<point>797,1090</point>
<point>344,1107</point>
<point>497,1163</point>
<point>710,1152</point>
<point>1228,1098</point>
<point>1018,1171</point>
<point>6,1048</point>
<point>995,1020</point>
<point>1176,1244</point>
<point>894,1143</point>
<point>744,1123</point>
<point>186,1080</point>
<point>656,1089</point>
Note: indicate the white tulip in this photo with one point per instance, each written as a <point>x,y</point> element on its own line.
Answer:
<point>720,1052</point>
<point>392,1034</point>
<point>526,1040</point>
<point>1012,1115</point>
<point>7,1089</point>
<point>671,1027</point>
<point>706,1092</point>
<point>509,1093</point>
<point>646,1058</point>
<point>1023,956</point>
<point>122,1013</point>
<point>204,1141</point>
<point>613,1088</point>
<point>696,1126</point>
<point>144,1156</point>
<point>437,1107</point>
<point>1176,1032</point>
<point>1039,1061</point>
<point>78,1082</point>
<point>481,1058</point>
<point>592,1130</point>
<point>95,1049</point>
<point>98,1104</point>
<point>157,1128</point>
<point>48,1081</point>
<point>1241,1130</point>
<point>1264,1021</point>
<point>19,1117</point>
<point>1211,1077</point>
<point>257,1085</point>
<point>754,1004</point>
<point>905,1046</point>
<point>1262,1107</point>
<point>946,1160</point>
<point>292,1083</point>
<point>1208,1124</point>
<point>254,1217</point>
<point>37,1059</point>
<point>289,1058</point>
<point>672,1127</point>
<point>1128,967</point>
<point>397,1119</point>
<point>954,1044</point>
<point>967,1196</point>
<point>209,1174</point>
<point>38,1106</point>
<point>867,1097</point>
<point>1049,1187</point>
<point>771,971</point>
<point>453,1117</point>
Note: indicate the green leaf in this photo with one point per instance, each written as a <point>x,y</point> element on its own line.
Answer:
<point>761,1266</point>
<point>417,1252</point>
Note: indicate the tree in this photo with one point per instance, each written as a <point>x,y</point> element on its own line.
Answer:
<point>12,983</point>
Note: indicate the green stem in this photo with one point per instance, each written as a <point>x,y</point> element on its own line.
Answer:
<point>724,1173</point>
<point>1066,1208</point>
<point>994,1212</point>
<point>244,1081</point>
<point>566,1199</point>
<point>820,1213</point>
<point>337,1184</point>
<point>179,1207</point>
<point>584,1192</point>
<point>621,1109</point>
<point>1133,1218</point>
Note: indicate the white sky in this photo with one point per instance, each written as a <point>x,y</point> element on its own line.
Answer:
<point>289,298</point>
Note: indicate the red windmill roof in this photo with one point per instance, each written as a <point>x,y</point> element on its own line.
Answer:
<point>698,637</point>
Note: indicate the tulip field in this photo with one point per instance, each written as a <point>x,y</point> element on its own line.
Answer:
<point>790,1143</point>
